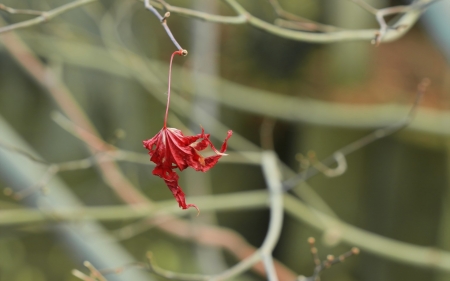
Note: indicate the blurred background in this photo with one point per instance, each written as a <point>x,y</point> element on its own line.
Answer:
<point>109,59</point>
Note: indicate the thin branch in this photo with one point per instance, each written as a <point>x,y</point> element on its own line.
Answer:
<point>381,13</point>
<point>245,17</point>
<point>248,200</point>
<point>293,21</point>
<point>163,20</point>
<point>42,16</point>
<point>363,4</point>
<point>364,141</point>
<point>273,179</point>
<point>320,266</point>
<point>173,275</point>
<point>307,25</point>
<point>19,11</point>
<point>23,153</point>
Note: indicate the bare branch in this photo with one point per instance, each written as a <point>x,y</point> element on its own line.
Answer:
<point>358,144</point>
<point>381,13</point>
<point>412,14</point>
<point>293,21</point>
<point>23,153</point>
<point>163,20</point>
<point>320,266</point>
<point>19,11</point>
<point>42,16</point>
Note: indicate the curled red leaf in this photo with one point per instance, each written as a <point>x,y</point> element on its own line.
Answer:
<point>170,149</point>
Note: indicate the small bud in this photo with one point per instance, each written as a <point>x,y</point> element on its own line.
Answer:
<point>355,251</point>
<point>166,15</point>
<point>311,240</point>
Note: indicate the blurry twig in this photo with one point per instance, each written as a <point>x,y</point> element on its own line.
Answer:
<point>52,170</point>
<point>293,21</point>
<point>368,139</point>
<point>266,133</point>
<point>95,274</point>
<point>329,172</point>
<point>320,266</point>
<point>264,253</point>
<point>173,275</point>
<point>20,11</point>
<point>22,152</point>
<point>329,34</point>
<point>41,16</point>
<point>381,13</point>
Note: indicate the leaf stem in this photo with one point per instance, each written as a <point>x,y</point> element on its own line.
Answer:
<point>179,52</point>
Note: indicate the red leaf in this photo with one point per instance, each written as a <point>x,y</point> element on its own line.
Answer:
<point>170,149</point>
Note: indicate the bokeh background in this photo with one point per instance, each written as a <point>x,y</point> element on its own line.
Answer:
<point>113,57</point>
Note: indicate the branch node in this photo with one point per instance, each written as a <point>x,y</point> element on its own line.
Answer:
<point>166,15</point>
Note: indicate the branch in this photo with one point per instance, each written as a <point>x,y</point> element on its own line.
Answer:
<point>292,21</point>
<point>245,17</point>
<point>273,179</point>
<point>42,16</point>
<point>163,21</point>
<point>364,141</point>
<point>320,266</point>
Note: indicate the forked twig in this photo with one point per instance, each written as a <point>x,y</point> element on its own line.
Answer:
<point>163,20</point>
<point>380,14</point>
<point>331,260</point>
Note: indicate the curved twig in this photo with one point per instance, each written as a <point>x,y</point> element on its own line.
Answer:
<point>42,16</point>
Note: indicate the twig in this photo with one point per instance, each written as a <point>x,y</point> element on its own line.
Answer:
<point>42,16</point>
<point>23,153</point>
<point>273,180</point>
<point>163,20</point>
<point>366,6</point>
<point>307,25</point>
<point>245,17</point>
<point>331,173</point>
<point>320,266</point>
<point>19,11</point>
<point>381,13</point>
<point>52,170</point>
<point>296,22</point>
<point>368,139</point>
<point>173,275</point>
